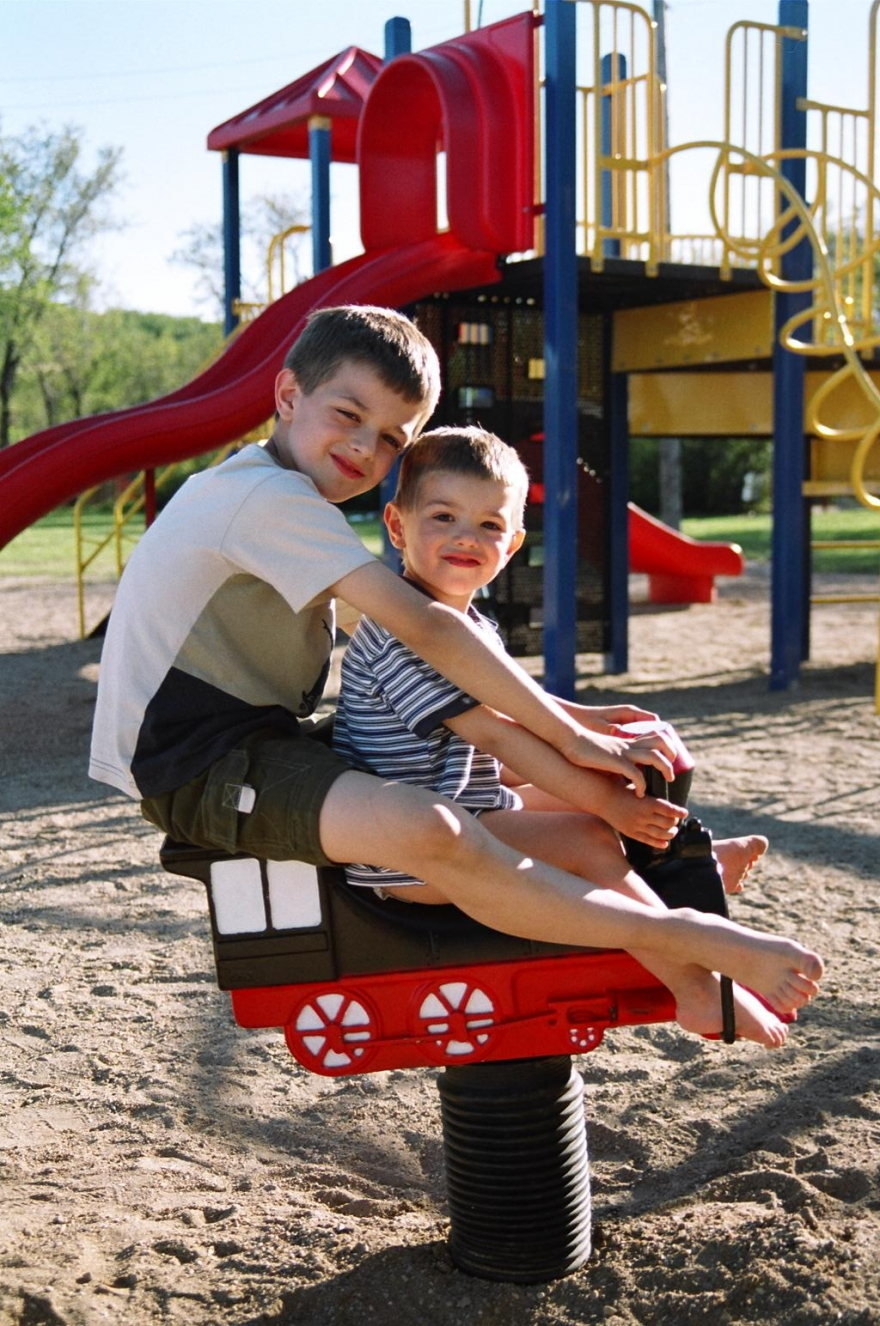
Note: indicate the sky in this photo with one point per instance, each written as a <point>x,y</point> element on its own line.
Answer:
<point>155,76</point>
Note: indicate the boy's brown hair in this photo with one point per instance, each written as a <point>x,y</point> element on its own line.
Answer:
<point>469,450</point>
<point>379,338</point>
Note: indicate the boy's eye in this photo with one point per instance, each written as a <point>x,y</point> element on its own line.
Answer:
<point>347,414</point>
<point>493,525</point>
<point>392,441</point>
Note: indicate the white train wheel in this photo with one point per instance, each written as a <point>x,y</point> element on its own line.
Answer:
<point>333,1032</point>
<point>458,1016</point>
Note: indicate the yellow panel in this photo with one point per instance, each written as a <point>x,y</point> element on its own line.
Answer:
<point>701,404</point>
<point>830,461</point>
<point>723,329</point>
<point>740,404</point>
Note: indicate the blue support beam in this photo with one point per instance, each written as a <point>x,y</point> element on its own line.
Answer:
<point>398,38</point>
<point>617,507</point>
<point>398,41</point>
<point>231,241</point>
<point>790,540</point>
<point>319,156</point>
<point>560,352</point>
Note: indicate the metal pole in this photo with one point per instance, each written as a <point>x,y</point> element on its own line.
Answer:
<point>617,535</point>
<point>319,156</point>
<point>560,352</point>
<point>790,539</point>
<point>231,241</point>
<point>398,41</point>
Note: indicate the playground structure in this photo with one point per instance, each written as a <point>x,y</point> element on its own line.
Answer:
<point>551,133</point>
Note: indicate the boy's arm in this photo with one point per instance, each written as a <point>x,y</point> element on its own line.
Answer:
<point>647,819</point>
<point>456,648</point>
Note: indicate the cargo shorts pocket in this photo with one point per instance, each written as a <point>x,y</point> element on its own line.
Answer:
<point>224,797</point>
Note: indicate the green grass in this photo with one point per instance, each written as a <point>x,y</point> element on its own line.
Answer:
<point>46,549</point>
<point>752,533</point>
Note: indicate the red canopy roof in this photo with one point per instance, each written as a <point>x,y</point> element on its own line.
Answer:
<point>278,126</point>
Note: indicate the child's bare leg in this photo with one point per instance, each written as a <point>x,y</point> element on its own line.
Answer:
<point>577,843</point>
<point>409,829</point>
<point>736,856</point>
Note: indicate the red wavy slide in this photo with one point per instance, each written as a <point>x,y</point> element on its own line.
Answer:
<point>231,397</point>
<point>679,569</point>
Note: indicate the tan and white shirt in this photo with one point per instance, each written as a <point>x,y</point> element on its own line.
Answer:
<point>223,623</point>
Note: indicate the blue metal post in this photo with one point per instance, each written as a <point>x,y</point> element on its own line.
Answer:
<point>231,240</point>
<point>560,352</point>
<point>617,507</point>
<point>398,38</point>
<point>319,156</point>
<point>610,74</point>
<point>790,542</point>
<point>398,41</point>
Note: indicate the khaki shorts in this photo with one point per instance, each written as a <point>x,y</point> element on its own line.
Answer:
<point>263,798</point>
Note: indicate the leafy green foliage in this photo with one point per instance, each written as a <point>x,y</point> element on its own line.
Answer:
<point>714,474</point>
<point>51,208</point>
<point>83,363</point>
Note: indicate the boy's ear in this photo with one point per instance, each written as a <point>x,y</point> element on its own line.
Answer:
<point>286,391</point>
<point>394,525</point>
<point>516,542</point>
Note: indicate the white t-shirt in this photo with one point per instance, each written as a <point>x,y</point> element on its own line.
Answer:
<point>223,623</point>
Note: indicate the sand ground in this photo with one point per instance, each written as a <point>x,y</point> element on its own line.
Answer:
<point>159,1164</point>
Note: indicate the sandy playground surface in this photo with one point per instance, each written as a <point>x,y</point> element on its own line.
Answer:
<point>159,1164</point>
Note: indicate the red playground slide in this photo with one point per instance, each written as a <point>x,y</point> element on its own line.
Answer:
<point>679,569</point>
<point>231,397</point>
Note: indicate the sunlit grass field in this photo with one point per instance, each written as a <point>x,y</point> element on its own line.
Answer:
<point>46,549</point>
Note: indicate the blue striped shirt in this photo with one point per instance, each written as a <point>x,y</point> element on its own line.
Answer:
<point>390,721</point>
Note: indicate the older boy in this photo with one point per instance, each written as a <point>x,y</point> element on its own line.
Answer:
<point>457,519</point>
<point>220,639</point>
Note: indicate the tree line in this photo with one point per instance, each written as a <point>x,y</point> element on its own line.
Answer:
<point>60,358</point>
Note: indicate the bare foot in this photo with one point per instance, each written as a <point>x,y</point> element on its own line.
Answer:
<point>736,856</point>
<point>783,972</point>
<point>698,1009</point>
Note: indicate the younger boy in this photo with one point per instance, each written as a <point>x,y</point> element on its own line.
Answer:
<point>457,519</point>
<point>218,648</point>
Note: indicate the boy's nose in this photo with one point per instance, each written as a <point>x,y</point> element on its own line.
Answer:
<point>364,441</point>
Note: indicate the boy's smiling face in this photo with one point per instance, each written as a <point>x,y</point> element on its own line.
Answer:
<point>347,433</point>
<point>461,531</point>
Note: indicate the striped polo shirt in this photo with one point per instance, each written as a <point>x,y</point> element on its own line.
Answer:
<point>390,721</point>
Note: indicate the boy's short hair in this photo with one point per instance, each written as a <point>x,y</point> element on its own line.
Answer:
<point>468,450</point>
<point>380,338</point>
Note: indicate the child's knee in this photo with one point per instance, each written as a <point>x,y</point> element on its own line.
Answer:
<point>588,841</point>
<point>443,829</point>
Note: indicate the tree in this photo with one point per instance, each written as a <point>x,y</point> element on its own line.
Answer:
<point>263,217</point>
<point>81,362</point>
<point>50,208</point>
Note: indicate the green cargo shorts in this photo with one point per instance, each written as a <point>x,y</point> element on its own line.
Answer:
<point>262,798</point>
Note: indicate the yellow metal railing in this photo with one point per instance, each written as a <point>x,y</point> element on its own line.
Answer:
<point>276,258</point>
<point>756,215</point>
<point>122,535</point>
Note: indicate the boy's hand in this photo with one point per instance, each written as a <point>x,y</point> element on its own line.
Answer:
<point>608,718</point>
<point>646,819</point>
<point>622,755</point>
